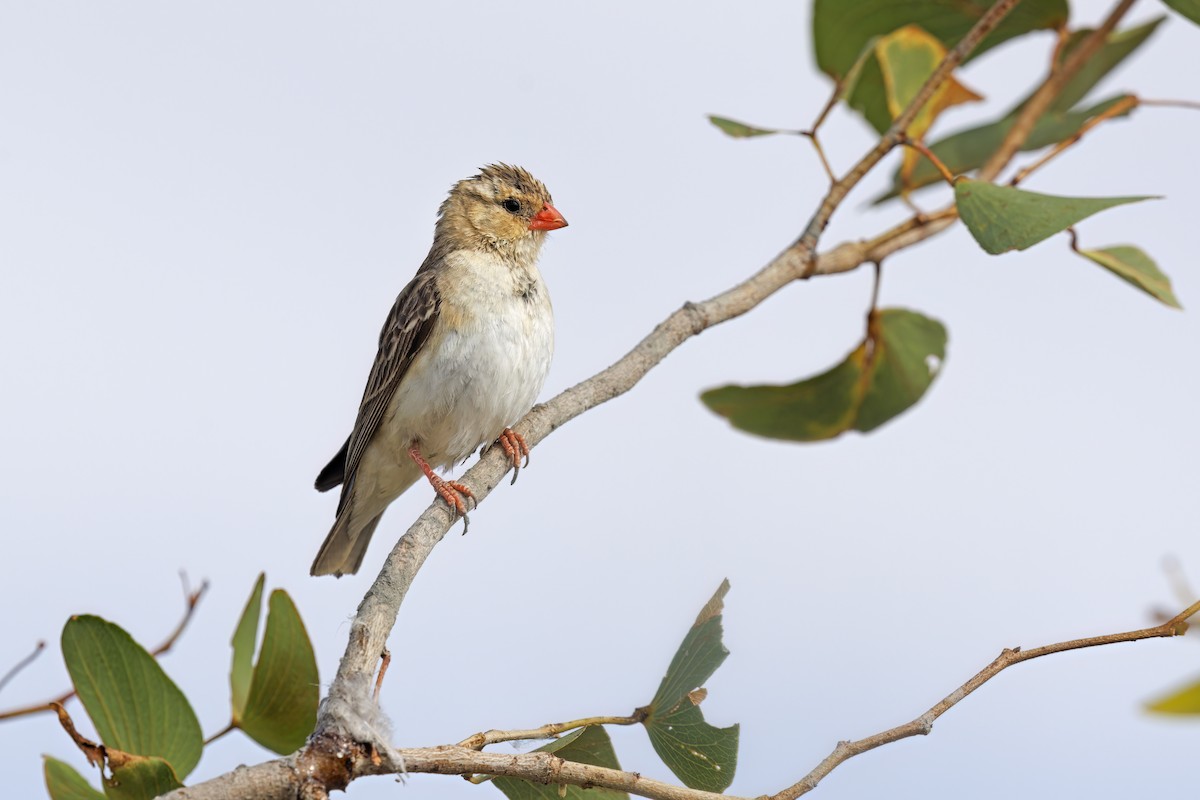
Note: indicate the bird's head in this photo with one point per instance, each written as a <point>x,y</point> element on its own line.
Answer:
<point>501,207</point>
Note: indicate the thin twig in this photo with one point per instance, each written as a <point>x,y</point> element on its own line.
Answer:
<point>1125,104</point>
<point>811,133</point>
<point>919,146</point>
<point>481,740</point>
<point>22,664</point>
<point>923,724</point>
<point>1193,105</point>
<point>385,660</point>
<point>191,599</point>
<point>230,728</point>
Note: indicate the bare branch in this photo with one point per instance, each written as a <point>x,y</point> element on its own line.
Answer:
<point>22,664</point>
<point>923,724</point>
<point>481,740</point>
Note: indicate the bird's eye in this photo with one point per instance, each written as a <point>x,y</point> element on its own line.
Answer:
<point>511,205</point>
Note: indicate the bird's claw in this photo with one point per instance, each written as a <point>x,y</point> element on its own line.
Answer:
<point>515,448</point>
<point>456,495</point>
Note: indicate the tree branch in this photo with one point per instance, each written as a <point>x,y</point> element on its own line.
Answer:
<point>923,724</point>
<point>280,778</point>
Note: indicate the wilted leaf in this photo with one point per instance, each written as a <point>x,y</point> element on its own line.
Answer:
<point>134,706</point>
<point>1132,265</point>
<point>841,29</point>
<point>1003,218</point>
<point>884,376</point>
<point>1188,8</point>
<point>590,745</point>
<point>243,649</point>
<point>1183,701</point>
<point>702,756</point>
<point>281,705</point>
<point>64,783</point>
<point>740,130</point>
<point>143,779</point>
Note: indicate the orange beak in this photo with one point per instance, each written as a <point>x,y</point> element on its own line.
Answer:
<point>548,219</point>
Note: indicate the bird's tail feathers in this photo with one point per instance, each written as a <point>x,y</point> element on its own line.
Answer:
<point>343,550</point>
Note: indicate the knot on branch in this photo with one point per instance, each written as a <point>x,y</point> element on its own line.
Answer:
<point>697,317</point>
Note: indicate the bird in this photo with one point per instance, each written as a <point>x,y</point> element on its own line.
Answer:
<point>463,355</point>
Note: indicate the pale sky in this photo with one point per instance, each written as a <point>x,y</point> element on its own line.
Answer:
<point>207,209</point>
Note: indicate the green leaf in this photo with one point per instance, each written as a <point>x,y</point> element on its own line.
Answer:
<point>243,649</point>
<point>143,779</point>
<point>281,705</point>
<point>885,375</point>
<point>1116,48</point>
<point>1131,264</point>
<point>700,755</point>
<point>740,130</point>
<point>590,745</point>
<point>1003,218</point>
<point>841,30</point>
<point>969,149</point>
<point>1188,8</point>
<point>1184,701</point>
<point>64,783</point>
<point>134,706</point>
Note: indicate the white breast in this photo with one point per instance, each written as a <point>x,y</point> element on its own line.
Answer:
<point>487,367</point>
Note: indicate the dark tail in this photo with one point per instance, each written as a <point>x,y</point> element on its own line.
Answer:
<point>334,472</point>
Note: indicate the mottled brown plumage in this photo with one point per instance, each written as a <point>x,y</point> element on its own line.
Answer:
<point>462,355</point>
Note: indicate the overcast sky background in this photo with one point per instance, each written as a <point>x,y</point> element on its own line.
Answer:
<point>206,210</point>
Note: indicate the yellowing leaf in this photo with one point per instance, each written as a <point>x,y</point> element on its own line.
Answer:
<point>1134,266</point>
<point>907,57</point>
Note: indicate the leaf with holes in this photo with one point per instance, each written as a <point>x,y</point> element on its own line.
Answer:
<point>590,745</point>
<point>281,703</point>
<point>242,671</point>
<point>884,376</point>
<point>1185,701</point>
<point>740,130</point>
<point>1003,218</point>
<point>134,706</point>
<point>64,783</point>
<point>142,779</point>
<point>701,755</point>
<point>1132,265</point>
<point>841,30</point>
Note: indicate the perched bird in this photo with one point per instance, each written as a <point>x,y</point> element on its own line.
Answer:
<point>462,355</point>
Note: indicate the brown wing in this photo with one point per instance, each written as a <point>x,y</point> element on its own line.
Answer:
<point>407,328</point>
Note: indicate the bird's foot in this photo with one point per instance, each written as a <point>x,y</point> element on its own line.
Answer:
<point>456,495</point>
<point>516,449</point>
